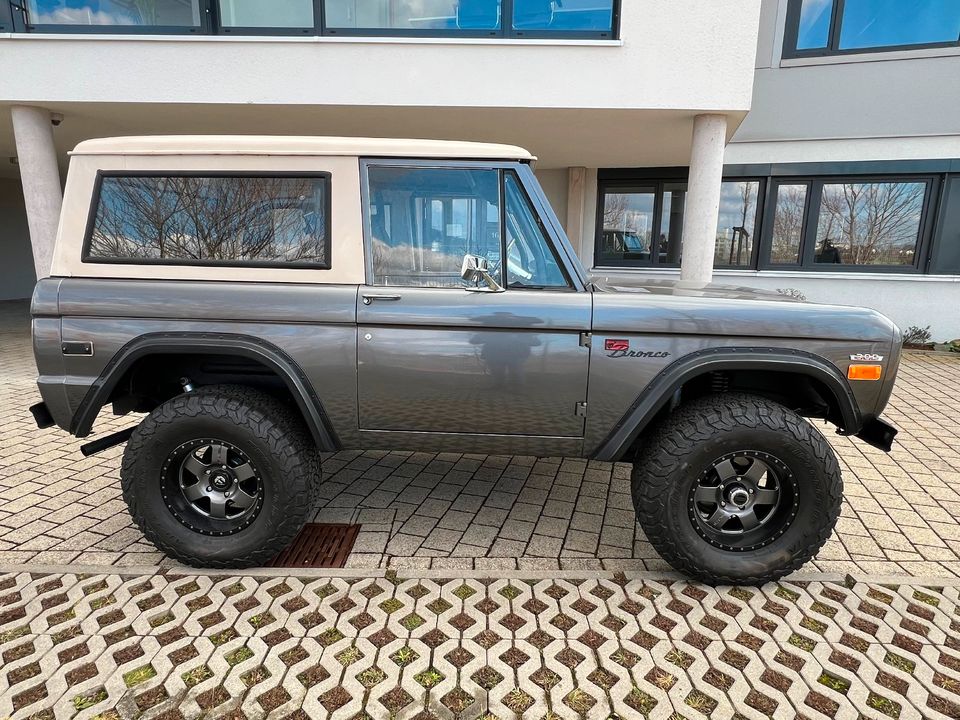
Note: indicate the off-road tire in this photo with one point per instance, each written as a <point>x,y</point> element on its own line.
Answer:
<point>674,455</point>
<point>267,430</point>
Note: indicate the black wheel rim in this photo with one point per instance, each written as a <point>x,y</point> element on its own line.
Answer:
<point>743,501</point>
<point>212,487</point>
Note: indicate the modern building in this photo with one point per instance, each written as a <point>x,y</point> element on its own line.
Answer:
<point>809,146</point>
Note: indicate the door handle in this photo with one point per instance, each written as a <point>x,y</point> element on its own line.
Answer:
<point>367,298</point>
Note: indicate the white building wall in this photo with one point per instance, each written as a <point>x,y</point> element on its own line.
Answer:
<point>554,183</point>
<point>682,54</point>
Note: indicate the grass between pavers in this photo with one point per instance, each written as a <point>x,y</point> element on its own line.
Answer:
<point>139,675</point>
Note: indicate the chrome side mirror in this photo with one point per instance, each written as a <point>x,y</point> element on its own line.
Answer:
<point>475,271</point>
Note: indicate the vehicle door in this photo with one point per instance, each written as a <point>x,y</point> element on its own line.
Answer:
<point>440,356</point>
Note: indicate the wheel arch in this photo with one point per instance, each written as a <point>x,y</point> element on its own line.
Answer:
<point>254,349</point>
<point>657,396</point>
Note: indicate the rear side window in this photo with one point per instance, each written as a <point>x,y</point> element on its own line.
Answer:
<point>212,220</point>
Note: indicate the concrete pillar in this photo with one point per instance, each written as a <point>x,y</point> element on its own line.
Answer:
<point>576,196</point>
<point>40,176</point>
<point>702,206</point>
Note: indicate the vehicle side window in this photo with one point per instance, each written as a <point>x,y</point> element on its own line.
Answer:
<point>212,220</point>
<point>422,221</point>
<point>531,260</point>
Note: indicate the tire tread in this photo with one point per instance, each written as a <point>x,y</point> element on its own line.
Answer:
<point>265,417</point>
<point>697,422</point>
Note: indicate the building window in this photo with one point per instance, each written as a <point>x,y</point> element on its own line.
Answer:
<point>413,16</point>
<point>626,227</point>
<point>643,225</point>
<point>572,19</point>
<point>254,15</point>
<point>865,223</point>
<point>212,220</point>
<point>482,18</point>
<point>544,16</point>
<point>848,224</point>
<point>114,15</point>
<point>831,27</point>
<point>875,223</point>
<point>736,229</point>
<point>790,208</point>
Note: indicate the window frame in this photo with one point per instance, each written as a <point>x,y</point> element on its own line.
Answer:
<point>7,19</point>
<point>811,222</point>
<point>642,181</point>
<point>561,250</point>
<point>204,28</point>
<point>792,31</point>
<point>101,175</point>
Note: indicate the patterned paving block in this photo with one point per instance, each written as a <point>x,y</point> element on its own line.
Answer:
<point>587,647</point>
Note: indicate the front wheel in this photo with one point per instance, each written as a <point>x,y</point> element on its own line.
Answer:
<point>736,489</point>
<point>221,477</point>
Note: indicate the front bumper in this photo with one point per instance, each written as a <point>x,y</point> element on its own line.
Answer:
<point>878,433</point>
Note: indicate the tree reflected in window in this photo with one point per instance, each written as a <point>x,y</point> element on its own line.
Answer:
<point>869,223</point>
<point>788,224</point>
<point>212,220</point>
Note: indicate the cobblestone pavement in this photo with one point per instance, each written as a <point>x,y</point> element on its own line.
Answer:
<point>190,646</point>
<point>462,512</point>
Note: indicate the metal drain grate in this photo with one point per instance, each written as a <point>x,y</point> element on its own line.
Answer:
<point>319,546</point>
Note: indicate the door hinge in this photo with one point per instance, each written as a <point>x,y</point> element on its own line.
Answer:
<point>586,339</point>
<point>581,410</point>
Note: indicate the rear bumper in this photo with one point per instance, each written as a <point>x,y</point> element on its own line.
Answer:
<point>878,433</point>
<point>41,414</point>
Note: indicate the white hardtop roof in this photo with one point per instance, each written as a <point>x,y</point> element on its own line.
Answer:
<point>289,145</point>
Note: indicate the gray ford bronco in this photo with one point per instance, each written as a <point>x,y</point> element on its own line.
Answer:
<point>265,300</point>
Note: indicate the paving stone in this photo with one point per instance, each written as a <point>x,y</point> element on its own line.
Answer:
<point>516,530</point>
<point>441,539</point>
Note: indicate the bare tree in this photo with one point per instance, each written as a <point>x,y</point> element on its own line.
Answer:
<point>615,207</point>
<point>788,223</point>
<point>208,218</point>
<point>872,223</point>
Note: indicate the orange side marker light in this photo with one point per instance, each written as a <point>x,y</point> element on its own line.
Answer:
<point>864,372</point>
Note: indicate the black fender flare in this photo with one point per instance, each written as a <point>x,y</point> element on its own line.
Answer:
<point>170,343</point>
<point>662,388</point>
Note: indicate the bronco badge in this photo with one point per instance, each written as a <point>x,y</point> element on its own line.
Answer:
<point>866,357</point>
<point>621,348</point>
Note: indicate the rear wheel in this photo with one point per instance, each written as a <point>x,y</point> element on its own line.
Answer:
<point>221,477</point>
<point>736,489</point>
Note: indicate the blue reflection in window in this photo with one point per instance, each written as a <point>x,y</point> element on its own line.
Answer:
<point>173,13</point>
<point>471,15</point>
<point>478,14</point>
<point>882,23</point>
<point>563,15</point>
<point>814,30</point>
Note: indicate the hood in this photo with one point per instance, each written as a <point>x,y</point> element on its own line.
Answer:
<point>679,288</point>
<point>668,307</point>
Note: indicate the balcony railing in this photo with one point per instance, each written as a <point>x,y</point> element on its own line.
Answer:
<point>597,19</point>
